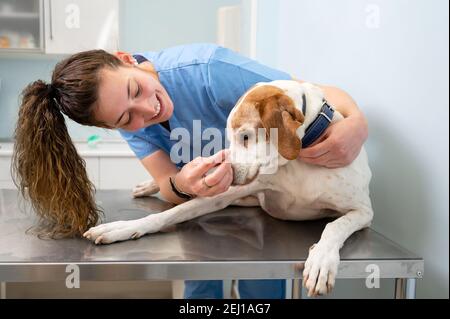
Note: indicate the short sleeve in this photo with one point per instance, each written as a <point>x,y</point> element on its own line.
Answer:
<point>230,75</point>
<point>141,147</point>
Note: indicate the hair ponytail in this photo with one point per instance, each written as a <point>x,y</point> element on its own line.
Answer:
<point>47,169</point>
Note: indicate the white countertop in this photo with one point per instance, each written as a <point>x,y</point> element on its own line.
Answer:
<point>102,149</point>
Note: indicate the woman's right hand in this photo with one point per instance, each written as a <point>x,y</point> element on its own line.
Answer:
<point>192,177</point>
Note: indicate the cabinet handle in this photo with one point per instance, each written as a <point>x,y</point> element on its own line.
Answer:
<point>51,19</point>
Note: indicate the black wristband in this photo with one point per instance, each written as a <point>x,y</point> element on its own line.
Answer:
<point>177,191</point>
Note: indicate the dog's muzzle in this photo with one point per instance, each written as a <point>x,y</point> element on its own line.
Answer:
<point>244,173</point>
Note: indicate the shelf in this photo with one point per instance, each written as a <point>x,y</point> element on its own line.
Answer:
<point>11,52</point>
<point>19,15</point>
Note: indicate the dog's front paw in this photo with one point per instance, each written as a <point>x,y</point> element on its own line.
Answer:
<point>146,188</point>
<point>115,231</point>
<point>320,270</point>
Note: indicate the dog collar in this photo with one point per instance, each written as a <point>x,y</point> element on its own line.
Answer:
<point>318,126</point>
<point>139,58</point>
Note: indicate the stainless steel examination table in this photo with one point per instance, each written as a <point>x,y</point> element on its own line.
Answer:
<point>234,243</point>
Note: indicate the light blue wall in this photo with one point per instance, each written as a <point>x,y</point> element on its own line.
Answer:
<point>268,13</point>
<point>398,74</point>
<point>144,25</point>
<point>153,25</point>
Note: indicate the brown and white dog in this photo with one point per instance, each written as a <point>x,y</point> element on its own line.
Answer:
<point>293,191</point>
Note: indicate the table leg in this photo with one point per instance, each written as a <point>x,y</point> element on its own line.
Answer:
<point>296,288</point>
<point>2,290</point>
<point>405,288</point>
<point>400,288</point>
<point>288,292</point>
<point>227,287</point>
<point>411,288</point>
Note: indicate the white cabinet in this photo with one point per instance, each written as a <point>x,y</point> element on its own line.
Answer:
<point>108,167</point>
<point>77,25</point>
<point>5,164</point>
<point>121,173</point>
<point>58,26</point>
<point>5,173</point>
<point>7,182</point>
<point>92,169</point>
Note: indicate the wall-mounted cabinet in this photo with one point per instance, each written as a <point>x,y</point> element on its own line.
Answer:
<point>78,25</point>
<point>58,26</point>
<point>21,25</point>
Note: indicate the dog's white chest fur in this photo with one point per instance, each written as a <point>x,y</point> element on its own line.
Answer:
<point>301,191</point>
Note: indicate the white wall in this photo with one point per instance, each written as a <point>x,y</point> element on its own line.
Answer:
<point>392,57</point>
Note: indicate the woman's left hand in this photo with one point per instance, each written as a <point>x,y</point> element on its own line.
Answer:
<point>339,145</point>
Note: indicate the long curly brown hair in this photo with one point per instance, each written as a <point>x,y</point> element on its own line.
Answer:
<point>46,167</point>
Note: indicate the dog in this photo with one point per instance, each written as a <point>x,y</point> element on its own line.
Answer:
<point>293,191</point>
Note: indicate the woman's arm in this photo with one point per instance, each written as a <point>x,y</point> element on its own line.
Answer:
<point>161,168</point>
<point>342,141</point>
<point>191,178</point>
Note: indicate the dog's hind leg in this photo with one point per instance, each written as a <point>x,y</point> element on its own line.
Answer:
<point>323,260</point>
<point>132,229</point>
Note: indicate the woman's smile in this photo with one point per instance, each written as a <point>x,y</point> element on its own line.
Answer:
<point>159,112</point>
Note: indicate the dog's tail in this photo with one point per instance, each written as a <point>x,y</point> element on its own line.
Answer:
<point>146,188</point>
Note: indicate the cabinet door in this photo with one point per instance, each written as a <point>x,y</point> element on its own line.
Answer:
<point>121,173</point>
<point>21,26</point>
<point>92,164</point>
<point>77,25</point>
<point>5,168</point>
<point>6,181</point>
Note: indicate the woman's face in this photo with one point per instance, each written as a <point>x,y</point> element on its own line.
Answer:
<point>130,98</point>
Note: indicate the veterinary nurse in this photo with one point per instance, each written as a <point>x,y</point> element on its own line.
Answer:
<point>145,96</point>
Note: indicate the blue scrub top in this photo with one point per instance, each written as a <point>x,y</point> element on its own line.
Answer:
<point>204,82</point>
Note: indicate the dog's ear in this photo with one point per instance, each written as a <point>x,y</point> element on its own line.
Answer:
<point>278,111</point>
<point>259,93</point>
